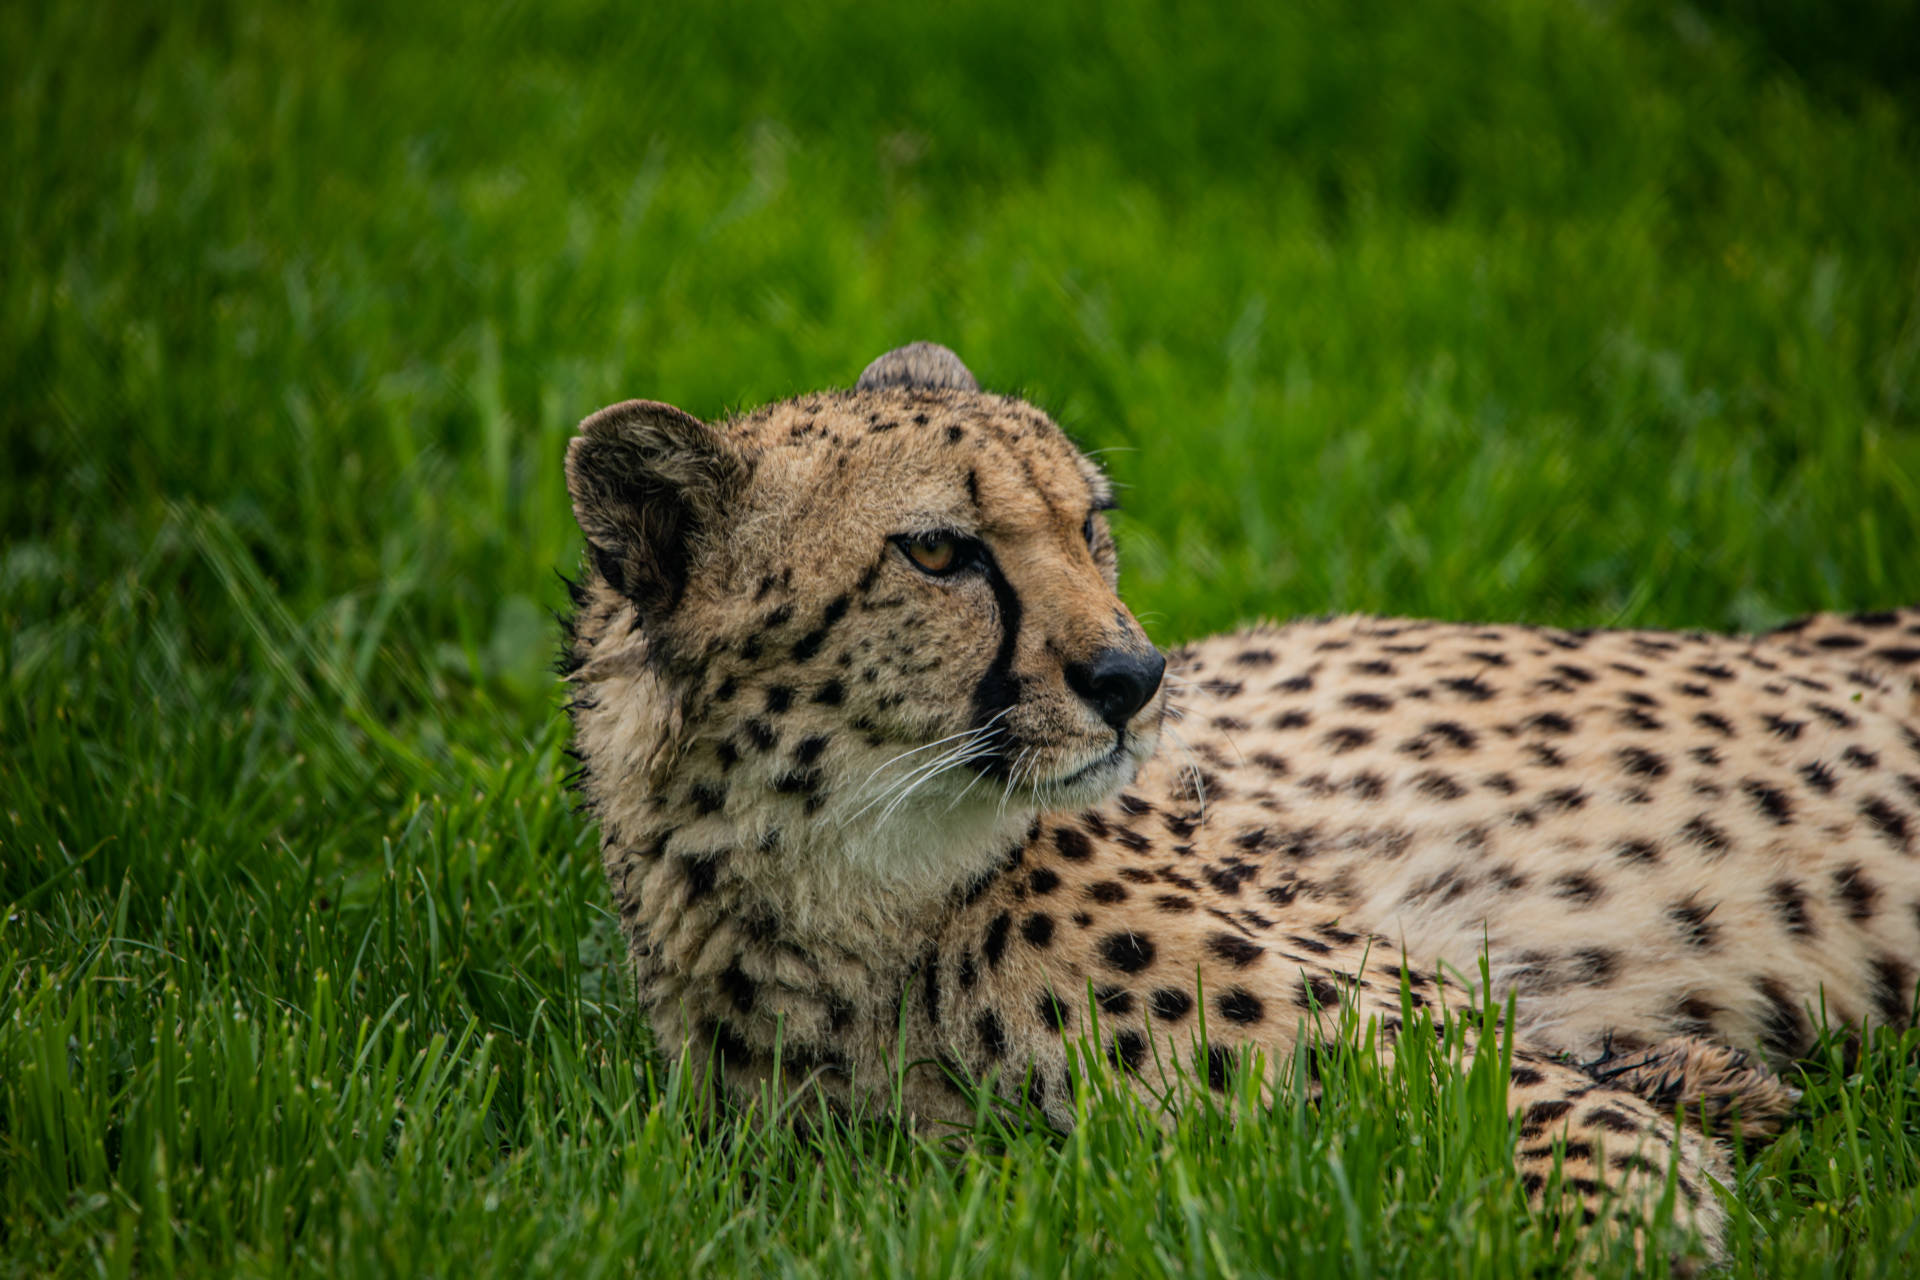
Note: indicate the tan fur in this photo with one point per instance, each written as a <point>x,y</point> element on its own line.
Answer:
<point>867,815</point>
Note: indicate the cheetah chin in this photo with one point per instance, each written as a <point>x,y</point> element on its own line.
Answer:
<point>886,772</point>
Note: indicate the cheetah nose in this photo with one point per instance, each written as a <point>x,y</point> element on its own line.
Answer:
<point>1117,683</point>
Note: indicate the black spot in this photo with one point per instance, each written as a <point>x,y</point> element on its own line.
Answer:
<point>1634,718</point>
<point>1899,656</point>
<point>1834,716</point>
<point>779,698</point>
<point>1292,720</point>
<point>1117,1001</point>
<point>1612,1121</point>
<point>1368,702</point>
<point>1690,918</point>
<point>1043,880</point>
<point>1127,952</point>
<point>1594,966</point>
<point>1545,756</point>
<point>1053,1011</point>
<point>1699,831</point>
<point>1578,887</point>
<point>1781,727</point>
<point>1228,877</point>
<point>1769,800</point>
<point>1472,688</point>
<point>1241,1006</point>
<point>1784,1031</point>
<point>831,694</point>
<point>1888,822</point>
<point>995,944</point>
<point>1170,1004</point>
<point>1173,903</point>
<point>1348,738</point>
<point>1037,929</point>
<point>738,987</point>
<point>1524,1076</point>
<point>1790,904</point>
<point>930,986</point>
<point>1108,891</point>
<point>1819,777</point>
<point>762,735</point>
<point>1712,671</point>
<point>701,876</point>
<point>1295,684</point>
<point>727,754</point>
<point>1861,758</point>
<point>1127,1051</point>
<point>1541,1114</point>
<point>707,797</point>
<point>993,1038</point>
<point>1719,724</point>
<point>1438,786</point>
<point>956,434</point>
<point>1852,887</point>
<point>1234,949</point>
<point>798,782</point>
<point>1579,675</point>
<point>1562,799</point>
<point>1317,993</point>
<point>1072,845</point>
<point>1642,763</point>
<point>1219,1068</point>
<point>1893,990</point>
<point>1637,851</point>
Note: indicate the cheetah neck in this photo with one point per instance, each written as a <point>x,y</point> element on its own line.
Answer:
<point>852,876</point>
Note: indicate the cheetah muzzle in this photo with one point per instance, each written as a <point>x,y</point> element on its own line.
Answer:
<point>876,751</point>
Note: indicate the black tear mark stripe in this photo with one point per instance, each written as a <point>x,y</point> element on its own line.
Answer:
<point>998,689</point>
<point>809,644</point>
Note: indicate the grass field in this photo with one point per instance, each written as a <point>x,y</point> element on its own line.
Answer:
<point>1589,313</point>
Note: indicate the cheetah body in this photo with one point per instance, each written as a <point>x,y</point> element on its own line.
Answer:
<point>868,832</point>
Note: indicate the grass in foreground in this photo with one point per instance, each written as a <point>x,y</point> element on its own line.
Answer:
<point>1519,310</point>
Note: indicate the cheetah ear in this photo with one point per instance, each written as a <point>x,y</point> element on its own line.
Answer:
<point>926,365</point>
<point>650,486</point>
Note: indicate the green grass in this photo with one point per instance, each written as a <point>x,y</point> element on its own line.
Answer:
<point>1582,313</point>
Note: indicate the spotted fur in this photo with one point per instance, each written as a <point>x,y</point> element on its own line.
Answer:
<point>861,815</point>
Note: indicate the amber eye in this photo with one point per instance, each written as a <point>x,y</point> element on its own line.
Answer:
<point>936,553</point>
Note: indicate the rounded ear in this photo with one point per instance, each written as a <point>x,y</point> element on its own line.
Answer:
<point>649,483</point>
<point>926,365</point>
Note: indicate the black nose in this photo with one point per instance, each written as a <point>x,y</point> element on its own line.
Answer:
<point>1117,683</point>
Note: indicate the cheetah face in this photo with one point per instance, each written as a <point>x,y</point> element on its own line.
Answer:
<point>894,602</point>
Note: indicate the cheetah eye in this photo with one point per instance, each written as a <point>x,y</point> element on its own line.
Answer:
<point>936,554</point>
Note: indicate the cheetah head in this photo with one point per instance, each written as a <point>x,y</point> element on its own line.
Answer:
<point>877,625</point>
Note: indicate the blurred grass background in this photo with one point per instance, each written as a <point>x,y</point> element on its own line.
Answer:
<point>1584,313</point>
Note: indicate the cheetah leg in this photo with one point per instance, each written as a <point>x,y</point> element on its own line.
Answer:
<point>1722,1089</point>
<point>1614,1147</point>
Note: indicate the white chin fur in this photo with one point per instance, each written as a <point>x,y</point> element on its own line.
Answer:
<point>962,824</point>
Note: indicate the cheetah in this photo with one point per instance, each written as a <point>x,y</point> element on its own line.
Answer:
<point>886,773</point>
